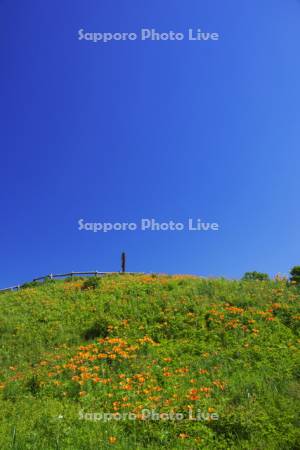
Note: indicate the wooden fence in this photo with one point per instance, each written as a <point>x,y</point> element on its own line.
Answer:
<point>52,276</point>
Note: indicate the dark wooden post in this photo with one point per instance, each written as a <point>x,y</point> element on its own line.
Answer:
<point>123,262</point>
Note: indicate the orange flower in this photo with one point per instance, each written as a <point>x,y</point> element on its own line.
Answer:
<point>167,374</point>
<point>116,406</point>
<point>205,389</point>
<point>183,436</point>
<point>96,379</point>
<point>112,439</point>
<point>167,360</point>
<point>193,395</point>
<point>182,370</point>
<point>193,391</point>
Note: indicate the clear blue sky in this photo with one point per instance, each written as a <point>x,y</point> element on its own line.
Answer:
<point>168,130</point>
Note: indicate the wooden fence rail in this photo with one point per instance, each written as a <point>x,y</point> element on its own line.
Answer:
<point>13,288</point>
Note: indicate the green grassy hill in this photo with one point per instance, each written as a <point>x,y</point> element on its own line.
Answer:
<point>225,353</point>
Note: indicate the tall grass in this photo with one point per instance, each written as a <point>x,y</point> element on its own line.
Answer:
<point>72,351</point>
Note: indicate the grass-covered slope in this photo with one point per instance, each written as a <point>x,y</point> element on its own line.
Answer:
<point>170,345</point>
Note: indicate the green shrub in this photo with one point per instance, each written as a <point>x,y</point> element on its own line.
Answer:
<point>91,283</point>
<point>30,284</point>
<point>98,329</point>
<point>295,275</point>
<point>33,385</point>
<point>250,276</point>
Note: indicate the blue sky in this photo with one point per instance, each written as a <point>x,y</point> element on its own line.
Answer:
<point>169,130</point>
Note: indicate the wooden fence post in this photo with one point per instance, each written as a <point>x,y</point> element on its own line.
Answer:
<point>123,262</point>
